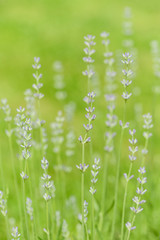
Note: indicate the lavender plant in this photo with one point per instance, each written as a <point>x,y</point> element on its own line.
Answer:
<point>138,201</point>
<point>133,149</point>
<point>111,121</point>
<point>4,211</point>
<point>83,140</point>
<point>15,234</point>
<point>89,51</point>
<point>127,72</point>
<point>49,191</point>
<point>59,83</point>
<point>9,131</point>
<point>38,95</point>
<point>92,190</point>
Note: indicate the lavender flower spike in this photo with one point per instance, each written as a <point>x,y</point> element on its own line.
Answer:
<point>127,72</point>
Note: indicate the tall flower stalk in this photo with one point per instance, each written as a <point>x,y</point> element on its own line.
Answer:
<point>89,51</point>
<point>127,73</point>
<point>92,190</point>
<point>138,201</point>
<point>59,84</point>
<point>146,134</point>
<point>57,139</point>
<point>9,131</point>
<point>38,95</point>
<point>133,149</point>
<point>141,180</point>
<point>49,191</point>
<point>111,121</point>
<point>83,140</point>
<point>26,145</point>
<point>3,209</point>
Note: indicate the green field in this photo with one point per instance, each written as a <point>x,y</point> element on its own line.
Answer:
<point>54,31</point>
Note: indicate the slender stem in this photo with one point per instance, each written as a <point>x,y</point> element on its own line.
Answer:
<point>33,230</point>
<point>1,167</point>
<point>31,192</point>
<point>93,221</point>
<point>117,176</point>
<point>88,68</point>
<point>15,178</point>
<point>124,201</point>
<point>86,231</point>
<point>128,236</point>
<point>7,227</point>
<point>82,194</point>
<point>40,129</point>
<point>53,219</point>
<point>61,180</point>
<point>145,147</point>
<point>103,193</point>
<point>25,215</point>
<point>47,219</point>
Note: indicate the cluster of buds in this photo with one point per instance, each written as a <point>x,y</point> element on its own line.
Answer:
<point>85,209</point>
<point>110,122</point>
<point>57,132</point>
<point>128,28</point>
<point>90,117</point>
<point>110,74</point>
<point>26,139</point>
<point>7,111</point>
<point>94,172</point>
<point>65,231</point>
<point>147,126</point>
<point>138,199</point>
<point>127,72</point>
<point>37,86</point>
<point>44,141</point>
<point>70,144</point>
<point>133,149</point>
<point>30,104</point>
<point>19,121</point>
<point>15,234</point>
<point>48,184</point>
<point>89,51</point>
<point>58,78</point>
<point>83,167</point>
<point>29,208</point>
<point>3,204</point>
<point>25,129</point>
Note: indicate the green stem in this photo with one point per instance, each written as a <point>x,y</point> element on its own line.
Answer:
<point>47,219</point>
<point>15,178</point>
<point>129,232</point>
<point>117,176</point>
<point>93,221</point>
<point>7,227</point>
<point>86,231</point>
<point>124,201</point>
<point>103,193</point>
<point>82,194</point>
<point>25,215</point>
<point>31,193</point>
<point>1,167</point>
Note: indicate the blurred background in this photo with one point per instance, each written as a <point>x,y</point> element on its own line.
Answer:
<point>54,30</point>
